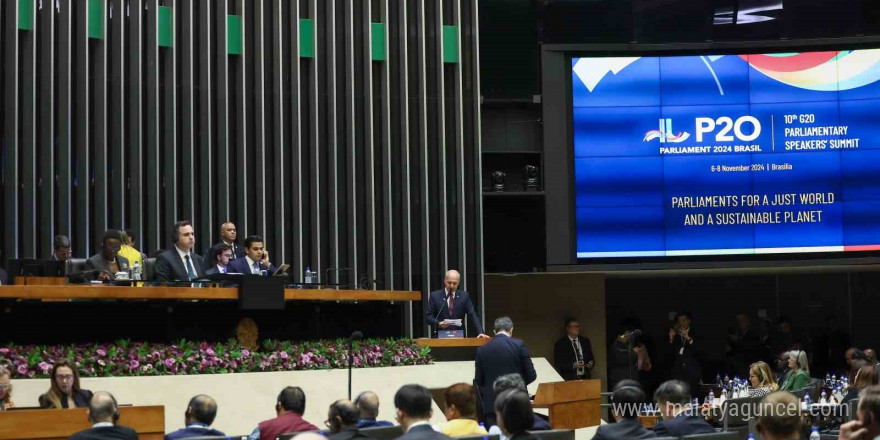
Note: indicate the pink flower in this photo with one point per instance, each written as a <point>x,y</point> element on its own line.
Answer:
<point>134,364</point>
<point>283,355</point>
<point>209,352</point>
<point>102,352</point>
<point>169,362</point>
<point>22,369</point>
<point>45,367</point>
<point>4,350</point>
<point>245,353</point>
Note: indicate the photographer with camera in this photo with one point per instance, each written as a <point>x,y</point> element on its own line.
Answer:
<point>684,352</point>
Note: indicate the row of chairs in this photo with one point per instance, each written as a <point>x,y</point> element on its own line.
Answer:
<point>393,432</point>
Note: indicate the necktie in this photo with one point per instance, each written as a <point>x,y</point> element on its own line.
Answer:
<point>575,344</point>
<point>256,270</point>
<point>223,270</point>
<point>451,303</point>
<point>189,269</point>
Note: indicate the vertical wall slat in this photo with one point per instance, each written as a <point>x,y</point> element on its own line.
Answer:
<point>184,43</point>
<point>27,140</point>
<point>406,183</point>
<point>458,106</point>
<point>63,106</point>
<point>224,208</point>
<point>116,127</point>
<point>239,118</point>
<point>387,195</point>
<point>153,188</point>
<point>424,190</point>
<point>281,142</point>
<point>351,141</point>
<point>440,101</point>
<point>135,124</point>
<point>168,125</point>
<point>369,152</point>
<point>297,141</point>
<point>205,110</point>
<point>477,155</point>
<point>259,146</point>
<point>46,127</point>
<point>99,132</point>
<point>10,121</point>
<point>315,184</point>
<point>81,239</point>
<point>333,210</point>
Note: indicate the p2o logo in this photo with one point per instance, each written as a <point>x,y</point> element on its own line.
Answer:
<point>725,124</point>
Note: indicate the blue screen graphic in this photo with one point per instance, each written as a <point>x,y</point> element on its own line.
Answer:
<point>732,154</point>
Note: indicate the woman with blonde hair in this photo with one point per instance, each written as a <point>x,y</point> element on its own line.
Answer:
<point>799,377</point>
<point>5,389</point>
<point>761,379</point>
<point>64,391</point>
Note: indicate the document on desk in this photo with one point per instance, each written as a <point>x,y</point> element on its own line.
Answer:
<point>452,322</point>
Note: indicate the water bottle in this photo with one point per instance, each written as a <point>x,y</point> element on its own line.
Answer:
<point>136,271</point>
<point>711,397</point>
<point>726,379</point>
<point>308,277</point>
<point>807,401</point>
<point>823,399</point>
<point>827,377</point>
<point>718,378</point>
<point>815,434</point>
<point>751,436</point>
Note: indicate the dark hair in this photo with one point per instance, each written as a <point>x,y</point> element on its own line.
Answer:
<point>512,381</point>
<point>858,354</point>
<point>345,410</point>
<point>130,234</point>
<point>503,323</point>
<point>293,399</point>
<point>869,400</point>
<point>177,227</point>
<point>110,234</point>
<point>251,239</point>
<point>778,414</point>
<point>627,398</point>
<point>414,401</point>
<point>673,391</point>
<point>687,315</point>
<point>203,409</point>
<point>54,395</point>
<point>865,377</point>
<point>516,411</point>
<point>61,241</point>
<point>462,396</point>
<point>569,320</point>
<point>217,250</point>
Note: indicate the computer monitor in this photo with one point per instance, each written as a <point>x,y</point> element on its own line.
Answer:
<point>25,267</point>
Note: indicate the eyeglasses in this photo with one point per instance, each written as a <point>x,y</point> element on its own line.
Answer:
<point>226,255</point>
<point>64,377</point>
<point>327,423</point>
<point>5,386</point>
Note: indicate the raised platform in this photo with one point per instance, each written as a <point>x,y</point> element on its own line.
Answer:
<point>453,349</point>
<point>70,292</point>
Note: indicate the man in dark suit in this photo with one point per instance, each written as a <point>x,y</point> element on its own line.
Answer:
<point>108,262</point>
<point>220,255</point>
<point>180,263</point>
<point>228,235</point>
<point>625,403</point>
<point>500,356</point>
<point>451,303</point>
<point>573,354</point>
<point>684,352</point>
<point>256,258</point>
<point>342,418</point>
<point>368,405</point>
<point>104,413</point>
<point>200,413</point>
<point>673,398</point>
<point>413,403</point>
<point>60,248</point>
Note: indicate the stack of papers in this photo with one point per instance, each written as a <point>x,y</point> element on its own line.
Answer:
<point>453,322</point>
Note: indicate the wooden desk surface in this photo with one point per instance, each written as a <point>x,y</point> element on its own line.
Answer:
<point>51,424</point>
<point>188,293</point>
<point>452,342</point>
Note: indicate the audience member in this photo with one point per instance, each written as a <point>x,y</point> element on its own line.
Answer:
<point>228,234</point>
<point>128,250</point>
<point>573,354</point>
<point>368,405</point>
<point>5,389</point>
<point>64,390</point>
<point>502,355</point>
<point>673,398</point>
<point>180,263</point>
<point>342,418</point>
<point>413,403</point>
<point>108,262</point>
<point>198,417</point>
<point>290,407</point>
<point>626,401</point>
<point>628,357</point>
<point>744,343</point>
<point>872,360</point>
<point>799,376</point>
<point>220,255</point>
<point>104,413</point>
<point>461,411</point>
<point>514,381</point>
<point>683,352</point>
<point>855,359</point>
<point>782,371</point>
<point>256,259</point>
<point>60,248</point>
<point>864,378</point>
<point>867,425</point>
<point>779,417</point>
<point>761,379</point>
<point>513,412</point>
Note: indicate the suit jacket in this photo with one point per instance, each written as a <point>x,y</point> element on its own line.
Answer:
<point>502,355</point>
<point>98,262</point>
<point>682,425</point>
<point>372,423</point>
<point>80,400</point>
<point>240,265</point>
<point>423,432</point>
<point>349,434</point>
<point>624,430</point>
<point>438,310</point>
<point>4,279</point>
<point>564,357</point>
<point>193,431</point>
<point>106,433</point>
<point>685,360</point>
<point>214,270</point>
<point>237,252</point>
<point>170,267</point>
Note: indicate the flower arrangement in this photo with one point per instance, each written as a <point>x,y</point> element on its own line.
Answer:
<point>125,358</point>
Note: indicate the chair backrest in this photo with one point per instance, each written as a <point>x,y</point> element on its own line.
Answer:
<point>149,268</point>
<point>290,435</point>
<point>479,437</point>
<point>555,434</point>
<point>814,387</point>
<point>219,437</point>
<point>713,436</point>
<point>76,265</point>
<point>383,432</point>
<point>665,438</point>
<point>737,412</point>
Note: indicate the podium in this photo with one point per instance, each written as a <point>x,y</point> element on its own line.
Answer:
<point>453,349</point>
<point>573,404</point>
<point>58,424</point>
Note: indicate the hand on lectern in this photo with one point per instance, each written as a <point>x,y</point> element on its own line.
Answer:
<point>483,336</point>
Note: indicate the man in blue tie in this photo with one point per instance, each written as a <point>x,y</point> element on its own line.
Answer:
<point>256,259</point>
<point>221,254</point>
<point>180,263</point>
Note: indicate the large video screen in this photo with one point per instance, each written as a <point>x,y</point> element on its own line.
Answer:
<point>728,154</point>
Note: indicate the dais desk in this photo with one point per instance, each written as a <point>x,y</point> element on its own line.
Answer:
<point>52,424</point>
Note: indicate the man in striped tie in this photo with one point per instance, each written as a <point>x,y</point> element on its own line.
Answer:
<point>180,263</point>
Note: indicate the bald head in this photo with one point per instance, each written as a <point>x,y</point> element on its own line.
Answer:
<point>102,407</point>
<point>368,405</point>
<point>201,409</point>
<point>451,280</point>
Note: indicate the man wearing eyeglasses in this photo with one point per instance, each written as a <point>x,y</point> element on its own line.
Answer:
<point>108,262</point>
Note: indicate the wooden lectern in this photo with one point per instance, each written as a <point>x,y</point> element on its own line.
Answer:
<point>573,404</point>
<point>58,424</point>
